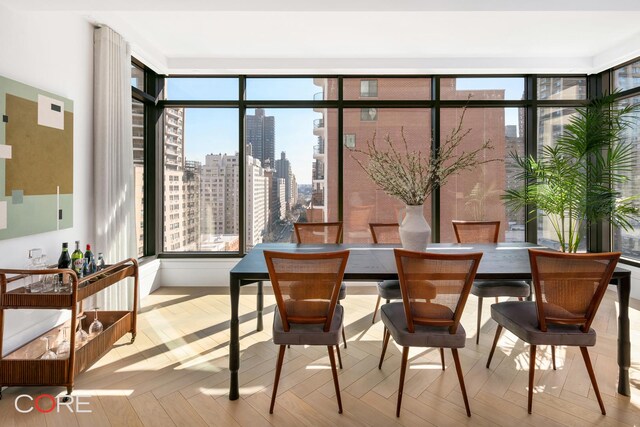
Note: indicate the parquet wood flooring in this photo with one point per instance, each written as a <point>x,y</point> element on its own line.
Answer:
<point>175,374</point>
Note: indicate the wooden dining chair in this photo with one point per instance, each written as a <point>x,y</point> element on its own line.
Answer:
<point>488,232</point>
<point>568,288</point>
<point>318,232</point>
<point>322,233</point>
<point>306,287</point>
<point>434,290</point>
<point>385,233</point>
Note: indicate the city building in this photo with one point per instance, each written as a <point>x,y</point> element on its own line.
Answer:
<point>219,202</point>
<point>219,206</point>
<point>173,178</point>
<point>472,195</point>
<point>181,187</point>
<point>277,204</point>
<point>191,205</point>
<point>137,118</point>
<point>283,171</point>
<point>260,133</point>
<point>257,202</point>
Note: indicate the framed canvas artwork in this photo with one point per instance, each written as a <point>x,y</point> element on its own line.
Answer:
<point>36,160</point>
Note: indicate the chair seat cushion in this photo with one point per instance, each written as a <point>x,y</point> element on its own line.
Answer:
<point>389,289</point>
<point>343,291</point>
<point>394,319</point>
<point>308,334</point>
<point>500,288</point>
<point>521,318</point>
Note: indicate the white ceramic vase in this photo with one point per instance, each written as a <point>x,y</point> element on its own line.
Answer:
<point>415,232</point>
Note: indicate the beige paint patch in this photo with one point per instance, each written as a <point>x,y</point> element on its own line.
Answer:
<point>42,157</point>
<point>50,112</point>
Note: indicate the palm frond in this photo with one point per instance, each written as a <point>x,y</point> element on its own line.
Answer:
<point>575,180</point>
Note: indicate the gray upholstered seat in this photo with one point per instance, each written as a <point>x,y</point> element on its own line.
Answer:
<point>389,289</point>
<point>394,318</point>
<point>497,288</point>
<point>487,232</point>
<point>386,233</point>
<point>306,287</point>
<point>434,288</point>
<point>500,288</point>
<point>308,334</point>
<point>569,288</point>
<point>521,318</point>
<point>343,291</point>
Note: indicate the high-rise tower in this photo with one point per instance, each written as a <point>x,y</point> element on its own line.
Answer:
<point>261,135</point>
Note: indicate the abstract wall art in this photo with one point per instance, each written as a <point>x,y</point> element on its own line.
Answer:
<point>36,160</point>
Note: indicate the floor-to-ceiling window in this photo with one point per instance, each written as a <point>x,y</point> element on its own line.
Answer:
<point>557,99</point>
<point>500,118</point>
<point>138,101</point>
<point>295,139</point>
<point>626,79</point>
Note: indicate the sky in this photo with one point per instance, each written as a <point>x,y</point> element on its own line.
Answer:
<point>215,130</point>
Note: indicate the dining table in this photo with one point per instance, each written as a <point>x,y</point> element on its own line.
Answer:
<point>376,262</point>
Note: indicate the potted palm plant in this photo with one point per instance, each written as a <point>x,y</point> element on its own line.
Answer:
<point>576,182</point>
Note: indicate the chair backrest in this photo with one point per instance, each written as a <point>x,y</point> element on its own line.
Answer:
<point>386,233</point>
<point>318,232</point>
<point>569,287</point>
<point>306,286</point>
<point>435,287</point>
<point>476,231</point>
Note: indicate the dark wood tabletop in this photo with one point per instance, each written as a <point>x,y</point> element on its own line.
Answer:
<point>368,262</point>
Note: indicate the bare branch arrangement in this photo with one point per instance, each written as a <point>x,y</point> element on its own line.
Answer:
<point>412,176</point>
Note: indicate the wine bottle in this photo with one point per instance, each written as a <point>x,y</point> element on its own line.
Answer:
<point>77,260</point>
<point>89,262</point>
<point>64,261</point>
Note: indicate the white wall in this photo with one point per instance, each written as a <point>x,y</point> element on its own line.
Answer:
<point>196,272</point>
<point>203,272</point>
<point>53,52</point>
<point>149,279</point>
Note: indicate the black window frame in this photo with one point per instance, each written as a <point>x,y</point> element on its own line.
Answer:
<point>604,233</point>
<point>599,237</point>
<point>152,206</point>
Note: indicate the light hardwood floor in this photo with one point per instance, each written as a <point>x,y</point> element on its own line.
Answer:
<point>176,374</point>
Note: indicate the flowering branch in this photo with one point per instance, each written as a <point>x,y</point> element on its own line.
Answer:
<point>412,176</point>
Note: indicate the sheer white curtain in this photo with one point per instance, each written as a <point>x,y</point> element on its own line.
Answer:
<point>113,158</point>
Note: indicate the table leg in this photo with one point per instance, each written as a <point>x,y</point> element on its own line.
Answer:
<point>234,342</point>
<point>624,343</point>
<point>260,306</point>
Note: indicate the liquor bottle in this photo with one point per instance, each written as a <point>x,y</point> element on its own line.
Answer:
<point>64,262</point>
<point>77,260</point>
<point>89,262</point>
<point>100,263</point>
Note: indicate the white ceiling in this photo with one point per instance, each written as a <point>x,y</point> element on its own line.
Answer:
<point>358,36</point>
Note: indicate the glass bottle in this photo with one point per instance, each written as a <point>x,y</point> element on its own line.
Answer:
<point>63,262</point>
<point>77,260</point>
<point>89,262</point>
